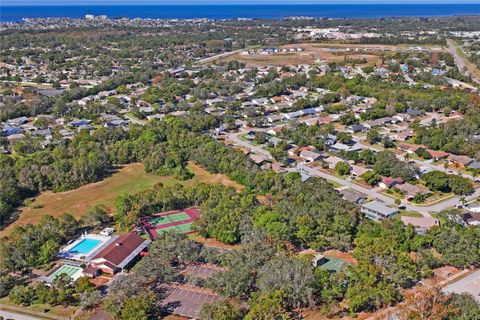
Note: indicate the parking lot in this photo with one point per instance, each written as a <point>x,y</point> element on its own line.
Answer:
<point>187,301</point>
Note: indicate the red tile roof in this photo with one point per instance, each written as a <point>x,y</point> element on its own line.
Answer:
<point>438,154</point>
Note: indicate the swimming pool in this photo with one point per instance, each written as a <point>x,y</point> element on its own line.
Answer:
<point>85,246</point>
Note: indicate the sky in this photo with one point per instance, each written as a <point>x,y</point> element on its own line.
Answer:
<point>187,2</point>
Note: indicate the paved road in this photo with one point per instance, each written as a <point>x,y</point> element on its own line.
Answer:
<point>459,60</point>
<point>372,193</point>
<point>220,56</point>
<point>234,137</point>
<point>470,284</point>
<point>16,316</point>
<point>419,162</point>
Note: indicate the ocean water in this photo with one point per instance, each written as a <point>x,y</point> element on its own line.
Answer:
<point>16,13</point>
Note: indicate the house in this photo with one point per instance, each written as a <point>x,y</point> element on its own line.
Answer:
<point>338,147</point>
<point>330,139</point>
<point>276,130</point>
<point>119,254</point>
<point>332,161</point>
<point>373,123</point>
<point>377,211</point>
<point>261,101</point>
<point>17,121</point>
<point>411,190</point>
<point>403,135</point>
<point>422,224</point>
<point>259,159</point>
<point>9,131</point>
<point>275,117</point>
<point>355,128</point>
<point>414,112</point>
<point>438,155</point>
<point>471,218</point>
<point>474,165</point>
<point>459,161</point>
<point>389,182</point>
<point>411,148</point>
<point>357,171</point>
<point>310,156</point>
<point>80,122</point>
<point>353,196</point>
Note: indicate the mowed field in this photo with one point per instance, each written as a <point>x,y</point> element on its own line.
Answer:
<point>130,178</point>
<point>313,53</point>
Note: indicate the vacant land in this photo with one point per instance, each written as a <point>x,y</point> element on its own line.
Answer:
<point>130,178</point>
<point>313,53</point>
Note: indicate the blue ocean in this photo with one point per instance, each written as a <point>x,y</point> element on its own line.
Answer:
<point>269,11</point>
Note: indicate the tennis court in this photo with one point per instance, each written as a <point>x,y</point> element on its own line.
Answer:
<point>175,217</point>
<point>71,271</point>
<point>172,221</point>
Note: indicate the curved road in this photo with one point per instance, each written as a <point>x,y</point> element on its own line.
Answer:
<point>425,210</point>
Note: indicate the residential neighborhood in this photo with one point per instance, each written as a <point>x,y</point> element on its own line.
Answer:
<point>237,168</point>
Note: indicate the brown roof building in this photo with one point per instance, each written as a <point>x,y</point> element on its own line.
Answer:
<point>119,254</point>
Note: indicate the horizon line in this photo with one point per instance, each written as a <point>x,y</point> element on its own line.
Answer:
<point>7,3</point>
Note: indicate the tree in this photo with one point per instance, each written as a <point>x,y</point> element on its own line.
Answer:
<point>97,216</point>
<point>90,299</point>
<point>290,275</point>
<point>371,177</point>
<point>373,136</point>
<point>348,118</point>
<point>426,303</point>
<point>22,295</point>
<point>465,305</point>
<point>387,142</point>
<point>345,137</point>
<point>268,306</point>
<point>222,310</point>
<point>342,168</point>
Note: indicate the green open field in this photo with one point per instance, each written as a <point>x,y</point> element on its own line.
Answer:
<point>131,179</point>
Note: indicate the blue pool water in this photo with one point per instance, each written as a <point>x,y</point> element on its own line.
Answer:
<point>85,246</point>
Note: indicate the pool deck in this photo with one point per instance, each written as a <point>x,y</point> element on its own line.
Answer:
<point>105,241</point>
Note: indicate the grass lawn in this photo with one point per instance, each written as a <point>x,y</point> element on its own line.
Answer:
<point>131,179</point>
<point>406,213</point>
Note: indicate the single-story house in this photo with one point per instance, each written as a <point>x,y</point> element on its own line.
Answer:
<point>353,196</point>
<point>357,171</point>
<point>377,211</point>
<point>411,190</point>
<point>332,161</point>
<point>355,128</point>
<point>459,161</point>
<point>411,148</point>
<point>310,155</point>
<point>471,218</point>
<point>259,159</point>
<point>421,224</point>
<point>389,182</point>
<point>438,155</point>
<point>403,135</point>
<point>474,165</point>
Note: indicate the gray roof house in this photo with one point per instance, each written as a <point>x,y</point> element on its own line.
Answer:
<point>377,211</point>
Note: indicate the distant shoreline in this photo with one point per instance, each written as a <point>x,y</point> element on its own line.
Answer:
<point>235,11</point>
